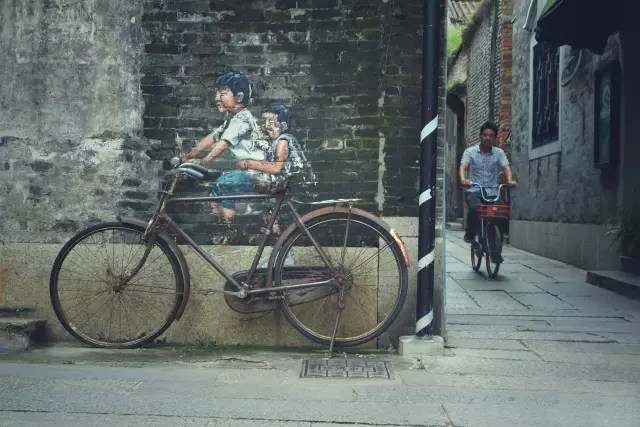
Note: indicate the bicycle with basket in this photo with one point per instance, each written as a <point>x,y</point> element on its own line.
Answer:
<point>489,242</point>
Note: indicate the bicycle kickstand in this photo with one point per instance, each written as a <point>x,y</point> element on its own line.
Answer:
<point>338,317</point>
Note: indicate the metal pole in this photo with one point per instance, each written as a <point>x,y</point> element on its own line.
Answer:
<point>433,10</point>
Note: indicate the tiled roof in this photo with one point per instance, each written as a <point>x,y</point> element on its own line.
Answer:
<point>460,11</point>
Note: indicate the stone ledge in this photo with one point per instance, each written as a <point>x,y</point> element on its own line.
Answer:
<point>18,334</point>
<point>617,281</point>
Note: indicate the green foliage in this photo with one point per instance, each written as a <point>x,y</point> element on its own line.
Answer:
<point>206,343</point>
<point>454,38</point>
<point>455,84</point>
<point>626,229</point>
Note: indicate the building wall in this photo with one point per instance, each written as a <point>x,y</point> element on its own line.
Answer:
<point>70,117</point>
<point>505,75</point>
<point>483,79</point>
<point>458,70</point>
<point>561,186</point>
<point>97,96</point>
<point>630,150</point>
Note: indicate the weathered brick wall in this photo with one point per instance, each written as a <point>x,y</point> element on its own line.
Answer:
<point>479,80</point>
<point>565,186</point>
<point>350,70</point>
<point>71,152</point>
<point>458,70</point>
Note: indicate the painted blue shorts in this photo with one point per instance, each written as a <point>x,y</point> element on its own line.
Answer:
<point>236,182</point>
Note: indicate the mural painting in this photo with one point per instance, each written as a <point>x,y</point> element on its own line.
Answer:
<point>267,154</point>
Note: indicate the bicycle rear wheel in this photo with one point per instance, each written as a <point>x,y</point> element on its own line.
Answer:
<point>85,292</point>
<point>493,254</point>
<point>366,256</point>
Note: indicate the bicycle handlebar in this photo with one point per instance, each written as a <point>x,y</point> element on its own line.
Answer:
<point>482,191</point>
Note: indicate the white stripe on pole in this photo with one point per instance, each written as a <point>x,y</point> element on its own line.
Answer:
<point>426,260</point>
<point>424,321</point>
<point>429,129</point>
<point>424,197</point>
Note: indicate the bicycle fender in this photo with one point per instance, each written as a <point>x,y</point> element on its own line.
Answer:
<point>183,262</point>
<point>328,210</point>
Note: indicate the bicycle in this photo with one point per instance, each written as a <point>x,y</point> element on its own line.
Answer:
<point>126,309</point>
<point>489,242</point>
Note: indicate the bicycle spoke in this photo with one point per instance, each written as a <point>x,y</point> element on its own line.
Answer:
<point>96,295</point>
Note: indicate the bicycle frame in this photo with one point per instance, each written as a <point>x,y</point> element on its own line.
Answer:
<point>161,218</point>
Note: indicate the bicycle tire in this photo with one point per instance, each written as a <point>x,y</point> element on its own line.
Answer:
<point>494,249</point>
<point>396,251</point>
<point>80,238</point>
<point>476,257</point>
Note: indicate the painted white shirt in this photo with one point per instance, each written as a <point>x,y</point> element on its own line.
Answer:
<point>242,132</point>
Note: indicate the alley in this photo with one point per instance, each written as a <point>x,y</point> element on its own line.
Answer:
<point>537,347</point>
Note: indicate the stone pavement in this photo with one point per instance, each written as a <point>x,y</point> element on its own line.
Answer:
<point>537,347</point>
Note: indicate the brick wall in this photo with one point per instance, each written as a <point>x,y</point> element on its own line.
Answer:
<point>350,70</point>
<point>479,80</point>
<point>458,70</point>
<point>506,54</point>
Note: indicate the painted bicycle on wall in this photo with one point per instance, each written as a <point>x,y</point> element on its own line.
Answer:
<point>489,242</point>
<point>338,273</point>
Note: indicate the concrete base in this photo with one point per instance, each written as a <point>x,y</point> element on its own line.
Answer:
<point>17,334</point>
<point>427,346</point>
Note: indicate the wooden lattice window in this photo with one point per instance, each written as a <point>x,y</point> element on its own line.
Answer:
<point>546,60</point>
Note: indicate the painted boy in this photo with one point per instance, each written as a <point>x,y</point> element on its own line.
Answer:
<point>285,158</point>
<point>240,134</point>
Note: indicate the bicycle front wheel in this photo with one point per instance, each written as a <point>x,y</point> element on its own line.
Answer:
<point>92,302</point>
<point>493,254</point>
<point>368,260</point>
<point>476,255</point>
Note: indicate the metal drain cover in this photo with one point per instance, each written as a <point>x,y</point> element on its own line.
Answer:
<point>345,368</point>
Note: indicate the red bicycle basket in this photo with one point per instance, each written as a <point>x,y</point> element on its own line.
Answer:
<point>493,211</point>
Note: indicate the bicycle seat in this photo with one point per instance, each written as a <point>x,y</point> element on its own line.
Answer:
<point>194,171</point>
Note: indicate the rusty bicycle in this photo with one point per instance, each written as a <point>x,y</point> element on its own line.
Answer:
<point>338,273</point>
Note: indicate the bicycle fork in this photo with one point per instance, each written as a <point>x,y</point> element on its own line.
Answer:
<point>149,246</point>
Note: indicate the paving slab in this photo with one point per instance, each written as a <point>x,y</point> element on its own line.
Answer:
<point>496,300</point>
<point>495,354</point>
<point>629,360</point>
<point>477,343</point>
<point>541,301</point>
<point>53,419</point>
<point>494,285</point>
<point>470,381</point>
<point>583,347</point>
<point>577,288</point>
<point>532,277</point>
<point>561,413</point>
<point>531,368</point>
<point>547,336</point>
<point>560,274</point>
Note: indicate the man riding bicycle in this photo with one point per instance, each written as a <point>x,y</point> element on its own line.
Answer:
<point>485,161</point>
